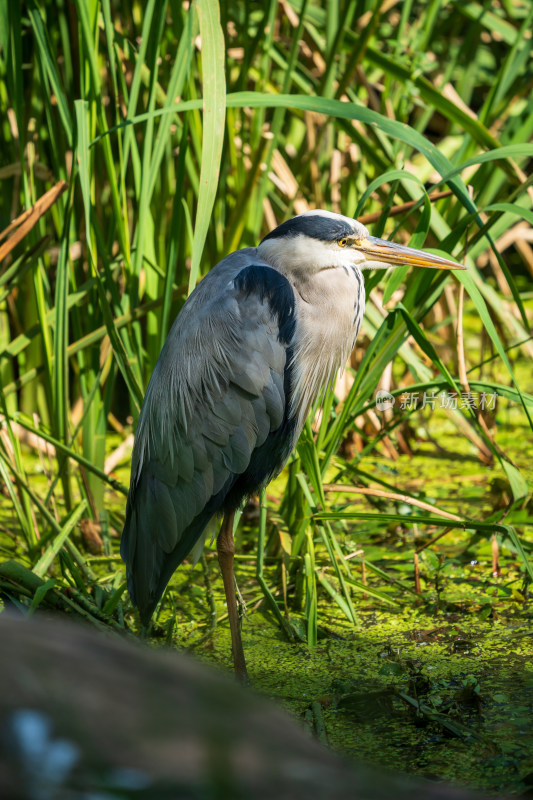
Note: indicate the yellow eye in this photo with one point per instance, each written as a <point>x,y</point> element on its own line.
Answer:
<point>342,242</point>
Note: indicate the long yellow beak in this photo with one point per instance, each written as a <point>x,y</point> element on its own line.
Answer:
<point>396,254</point>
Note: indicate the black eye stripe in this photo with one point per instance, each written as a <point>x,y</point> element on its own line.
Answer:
<point>327,229</point>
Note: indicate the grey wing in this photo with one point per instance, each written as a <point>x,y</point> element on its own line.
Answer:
<point>215,424</point>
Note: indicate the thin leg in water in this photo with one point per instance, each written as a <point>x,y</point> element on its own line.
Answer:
<point>226,551</point>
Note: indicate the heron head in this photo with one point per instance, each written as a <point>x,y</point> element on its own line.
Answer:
<point>320,240</point>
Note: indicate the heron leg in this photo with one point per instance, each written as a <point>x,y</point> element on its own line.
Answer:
<point>226,551</point>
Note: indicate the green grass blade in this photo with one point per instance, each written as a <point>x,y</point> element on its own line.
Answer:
<point>214,108</point>
<point>44,563</point>
<point>50,65</point>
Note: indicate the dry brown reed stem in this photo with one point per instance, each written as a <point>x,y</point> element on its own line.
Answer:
<point>495,556</point>
<point>368,219</point>
<point>23,224</point>
<point>404,498</point>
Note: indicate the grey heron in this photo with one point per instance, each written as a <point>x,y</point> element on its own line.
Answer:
<point>257,340</point>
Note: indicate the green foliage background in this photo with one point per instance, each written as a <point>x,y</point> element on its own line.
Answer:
<point>185,131</point>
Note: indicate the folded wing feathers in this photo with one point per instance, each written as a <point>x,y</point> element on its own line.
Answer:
<point>201,420</point>
<point>165,522</point>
